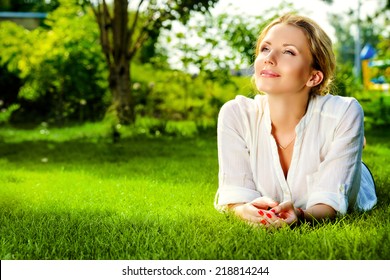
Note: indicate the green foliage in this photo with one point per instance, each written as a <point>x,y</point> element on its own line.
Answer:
<point>123,35</point>
<point>64,77</point>
<point>164,14</point>
<point>371,32</point>
<point>183,128</point>
<point>345,83</point>
<point>241,32</point>
<point>158,127</point>
<point>16,47</point>
<point>174,95</point>
<point>383,47</point>
<point>65,194</point>
<point>376,105</point>
<point>149,126</point>
<point>57,73</point>
<point>215,45</point>
<point>28,6</point>
<point>5,113</point>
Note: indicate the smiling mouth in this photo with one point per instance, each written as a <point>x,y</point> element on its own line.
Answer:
<point>269,74</point>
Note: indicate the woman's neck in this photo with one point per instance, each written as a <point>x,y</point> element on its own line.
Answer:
<point>286,112</point>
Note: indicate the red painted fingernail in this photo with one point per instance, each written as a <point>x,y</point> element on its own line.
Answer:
<point>273,210</point>
<point>264,222</point>
<point>269,215</point>
<point>261,213</point>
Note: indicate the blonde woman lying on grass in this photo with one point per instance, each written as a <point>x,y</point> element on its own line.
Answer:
<point>294,152</point>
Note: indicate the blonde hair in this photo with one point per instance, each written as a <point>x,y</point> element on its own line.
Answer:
<point>320,47</point>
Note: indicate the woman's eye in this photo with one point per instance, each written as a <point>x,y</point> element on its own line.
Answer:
<point>289,52</point>
<point>264,49</point>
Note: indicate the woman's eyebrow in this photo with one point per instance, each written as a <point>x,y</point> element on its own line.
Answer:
<point>289,45</point>
<point>284,45</point>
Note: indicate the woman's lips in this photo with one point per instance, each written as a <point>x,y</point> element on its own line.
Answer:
<point>269,74</point>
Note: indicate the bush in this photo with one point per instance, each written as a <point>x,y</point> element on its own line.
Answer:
<point>176,96</point>
<point>62,68</point>
<point>5,113</point>
<point>376,107</point>
<point>181,128</point>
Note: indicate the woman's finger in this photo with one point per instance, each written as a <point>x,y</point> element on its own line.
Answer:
<point>267,217</point>
<point>264,203</point>
<point>283,207</point>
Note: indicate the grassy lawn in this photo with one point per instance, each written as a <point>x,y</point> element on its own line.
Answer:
<point>71,194</point>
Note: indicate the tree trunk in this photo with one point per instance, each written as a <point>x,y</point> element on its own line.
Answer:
<point>120,42</point>
<point>122,101</point>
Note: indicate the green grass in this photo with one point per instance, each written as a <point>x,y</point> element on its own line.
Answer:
<point>71,194</point>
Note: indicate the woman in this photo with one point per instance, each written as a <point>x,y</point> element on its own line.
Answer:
<point>295,152</point>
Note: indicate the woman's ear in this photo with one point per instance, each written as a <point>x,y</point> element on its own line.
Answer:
<point>315,78</point>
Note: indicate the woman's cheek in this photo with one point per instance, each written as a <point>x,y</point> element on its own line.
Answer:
<point>257,67</point>
<point>258,62</point>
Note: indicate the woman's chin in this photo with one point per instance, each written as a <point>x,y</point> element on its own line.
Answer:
<point>266,89</point>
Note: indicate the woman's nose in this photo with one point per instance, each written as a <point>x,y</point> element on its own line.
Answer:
<point>269,59</point>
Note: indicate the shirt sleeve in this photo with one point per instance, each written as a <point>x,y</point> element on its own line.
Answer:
<point>337,180</point>
<point>235,175</point>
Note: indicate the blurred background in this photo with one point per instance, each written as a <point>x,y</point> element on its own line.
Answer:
<point>166,67</point>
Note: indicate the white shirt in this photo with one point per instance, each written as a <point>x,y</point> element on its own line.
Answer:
<point>326,162</point>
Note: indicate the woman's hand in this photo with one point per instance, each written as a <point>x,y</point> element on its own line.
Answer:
<point>287,212</point>
<point>255,212</point>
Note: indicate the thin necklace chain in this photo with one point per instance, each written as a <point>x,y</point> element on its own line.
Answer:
<point>285,147</point>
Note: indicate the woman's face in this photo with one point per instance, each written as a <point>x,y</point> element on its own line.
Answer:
<point>283,63</point>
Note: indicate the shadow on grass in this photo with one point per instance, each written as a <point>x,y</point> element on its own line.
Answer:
<point>85,152</point>
<point>378,136</point>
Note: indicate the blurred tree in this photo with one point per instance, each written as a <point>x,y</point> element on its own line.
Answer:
<point>218,46</point>
<point>122,35</point>
<point>28,5</point>
<point>372,29</point>
<point>345,40</point>
<point>61,68</point>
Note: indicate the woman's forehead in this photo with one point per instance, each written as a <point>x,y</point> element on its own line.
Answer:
<point>286,34</point>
